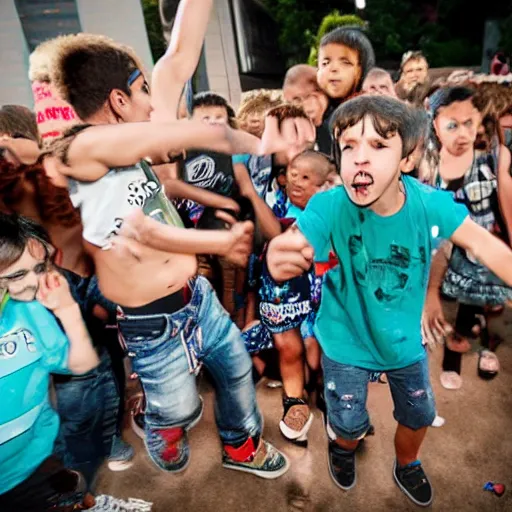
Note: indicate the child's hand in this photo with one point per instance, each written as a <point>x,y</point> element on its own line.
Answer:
<point>293,136</point>
<point>289,255</point>
<point>20,150</point>
<point>240,244</point>
<point>434,327</point>
<point>54,293</point>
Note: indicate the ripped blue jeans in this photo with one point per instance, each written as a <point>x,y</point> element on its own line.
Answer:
<point>346,391</point>
<point>166,352</point>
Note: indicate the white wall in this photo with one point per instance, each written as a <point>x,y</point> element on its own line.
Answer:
<point>220,54</point>
<point>122,20</point>
<point>14,84</point>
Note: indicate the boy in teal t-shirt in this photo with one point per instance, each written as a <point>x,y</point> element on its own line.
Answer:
<point>382,226</point>
<point>33,345</point>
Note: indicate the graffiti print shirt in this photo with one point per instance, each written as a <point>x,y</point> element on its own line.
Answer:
<point>31,347</point>
<point>372,301</point>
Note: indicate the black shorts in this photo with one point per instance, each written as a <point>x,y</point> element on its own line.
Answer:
<point>50,487</point>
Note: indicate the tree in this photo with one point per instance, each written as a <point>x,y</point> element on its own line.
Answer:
<point>330,22</point>
<point>297,20</point>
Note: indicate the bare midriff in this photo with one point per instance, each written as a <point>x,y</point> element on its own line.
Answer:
<point>136,281</point>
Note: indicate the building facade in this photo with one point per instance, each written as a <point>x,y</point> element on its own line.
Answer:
<point>26,23</point>
<point>240,50</point>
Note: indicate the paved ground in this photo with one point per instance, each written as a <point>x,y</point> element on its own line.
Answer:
<point>473,447</point>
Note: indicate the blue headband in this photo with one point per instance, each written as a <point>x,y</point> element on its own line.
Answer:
<point>133,76</point>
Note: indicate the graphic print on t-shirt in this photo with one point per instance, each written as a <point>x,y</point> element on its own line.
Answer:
<point>210,172</point>
<point>140,191</point>
<point>12,342</point>
<point>388,276</point>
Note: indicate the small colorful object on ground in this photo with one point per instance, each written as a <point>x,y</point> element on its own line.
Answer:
<point>498,489</point>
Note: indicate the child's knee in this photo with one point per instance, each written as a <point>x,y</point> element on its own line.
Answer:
<point>289,344</point>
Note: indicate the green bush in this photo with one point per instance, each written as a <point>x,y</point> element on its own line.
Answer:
<point>330,22</point>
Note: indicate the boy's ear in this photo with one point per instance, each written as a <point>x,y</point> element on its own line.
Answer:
<point>358,82</point>
<point>118,101</point>
<point>408,163</point>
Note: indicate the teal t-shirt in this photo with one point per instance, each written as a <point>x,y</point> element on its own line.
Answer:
<point>242,158</point>
<point>31,346</point>
<point>294,212</point>
<point>370,314</point>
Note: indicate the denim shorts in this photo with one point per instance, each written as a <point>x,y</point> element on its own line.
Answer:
<point>346,391</point>
<point>167,349</point>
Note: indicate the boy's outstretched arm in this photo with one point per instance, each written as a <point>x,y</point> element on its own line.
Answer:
<point>289,255</point>
<point>235,243</point>
<point>180,61</point>
<point>99,148</point>
<point>488,249</point>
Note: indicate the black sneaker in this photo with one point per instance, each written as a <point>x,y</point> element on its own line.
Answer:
<point>413,481</point>
<point>342,466</point>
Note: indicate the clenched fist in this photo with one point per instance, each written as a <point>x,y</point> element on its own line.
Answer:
<point>289,255</point>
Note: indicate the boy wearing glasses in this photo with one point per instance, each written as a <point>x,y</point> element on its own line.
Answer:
<point>26,271</point>
<point>32,346</point>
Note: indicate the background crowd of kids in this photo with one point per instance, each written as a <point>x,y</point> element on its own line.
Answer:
<point>71,371</point>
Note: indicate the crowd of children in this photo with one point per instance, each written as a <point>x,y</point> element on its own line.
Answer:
<point>308,237</point>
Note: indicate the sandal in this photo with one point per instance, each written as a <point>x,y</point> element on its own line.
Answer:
<point>488,364</point>
<point>451,380</point>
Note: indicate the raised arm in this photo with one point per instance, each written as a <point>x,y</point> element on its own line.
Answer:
<point>488,249</point>
<point>55,295</point>
<point>505,188</point>
<point>180,61</point>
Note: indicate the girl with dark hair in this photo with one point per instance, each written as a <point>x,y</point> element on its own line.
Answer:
<point>470,162</point>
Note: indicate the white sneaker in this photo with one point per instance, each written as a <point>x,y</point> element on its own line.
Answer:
<point>439,421</point>
<point>105,503</point>
<point>121,455</point>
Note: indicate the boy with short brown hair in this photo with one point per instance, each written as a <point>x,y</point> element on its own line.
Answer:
<point>382,226</point>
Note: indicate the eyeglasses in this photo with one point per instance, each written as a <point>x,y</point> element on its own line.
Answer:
<point>38,269</point>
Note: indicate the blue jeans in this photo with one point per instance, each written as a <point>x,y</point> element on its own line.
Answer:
<point>88,407</point>
<point>166,351</point>
<point>346,391</point>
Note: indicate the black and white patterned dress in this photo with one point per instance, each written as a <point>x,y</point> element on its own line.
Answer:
<point>467,280</point>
